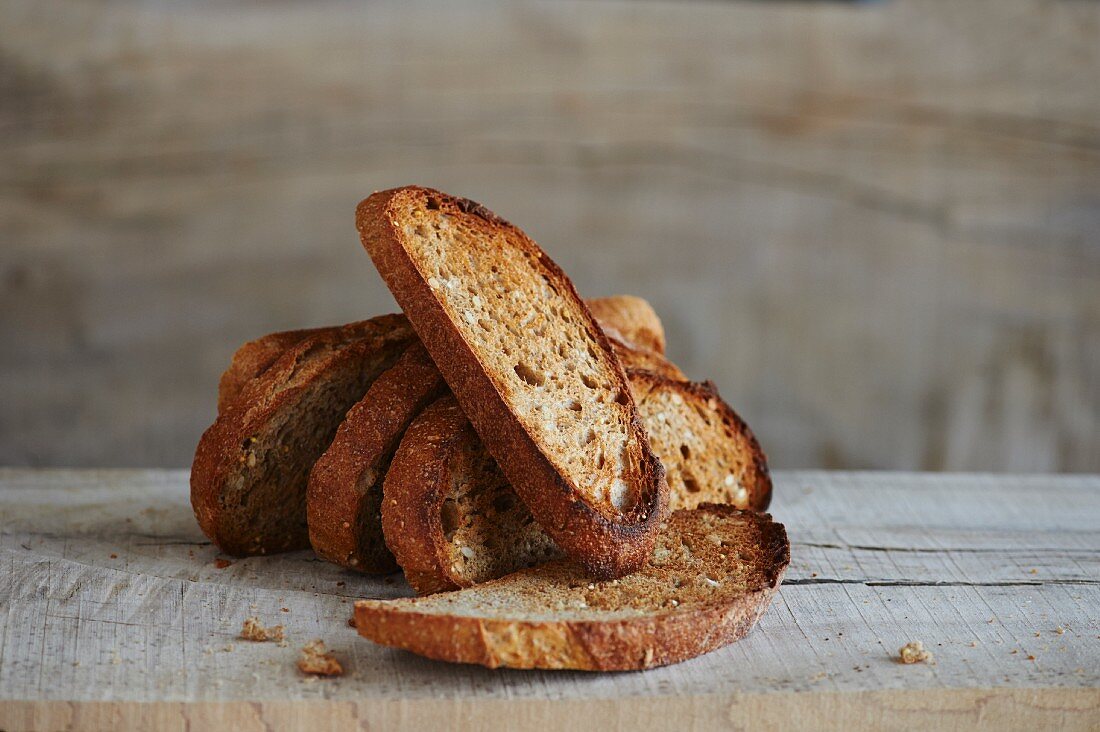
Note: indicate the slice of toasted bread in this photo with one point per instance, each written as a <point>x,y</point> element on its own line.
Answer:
<point>344,498</point>
<point>709,453</point>
<point>248,480</point>
<point>451,519</point>
<point>710,577</point>
<point>633,319</point>
<point>532,370</point>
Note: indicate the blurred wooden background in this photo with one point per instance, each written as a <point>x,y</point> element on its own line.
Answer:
<point>875,226</point>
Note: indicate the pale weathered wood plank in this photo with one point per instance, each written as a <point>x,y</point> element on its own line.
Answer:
<point>878,560</point>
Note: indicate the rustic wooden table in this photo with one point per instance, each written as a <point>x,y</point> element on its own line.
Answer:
<point>115,611</point>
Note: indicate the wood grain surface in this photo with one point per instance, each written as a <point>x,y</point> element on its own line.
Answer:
<point>113,609</point>
<point>875,225</point>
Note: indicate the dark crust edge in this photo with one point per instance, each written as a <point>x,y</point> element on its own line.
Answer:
<point>658,639</point>
<point>606,547</point>
<point>218,451</point>
<point>414,490</point>
<point>369,434</point>
<point>760,490</point>
<point>254,357</point>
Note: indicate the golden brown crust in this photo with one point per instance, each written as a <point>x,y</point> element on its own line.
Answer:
<point>345,485</point>
<point>256,356</point>
<point>219,471</point>
<point>252,359</point>
<point>659,637</point>
<point>415,488</point>
<point>632,319</point>
<point>606,547</point>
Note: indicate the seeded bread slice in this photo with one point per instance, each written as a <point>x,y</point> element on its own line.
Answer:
<point>344,497</point>
<point>248,480</point>
<point>534,373</point>
<point>711,575</point>
<point>452,520</point>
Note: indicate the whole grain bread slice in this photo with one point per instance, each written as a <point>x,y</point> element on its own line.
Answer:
<point>452,520</point>
<point>711,575</point>
<point>248,479</point>
<point>531,368</point>
<point>344,498</point>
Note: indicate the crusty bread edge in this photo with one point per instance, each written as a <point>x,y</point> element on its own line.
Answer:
<point>414,491</point>
<point>606,548</point>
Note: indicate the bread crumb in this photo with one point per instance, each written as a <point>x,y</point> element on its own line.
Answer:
<point>228,647</point>
<point>222,563</point>
<point>114,556</point>
<point>913,652</point>
<point>254,630</point>
<point>1060,630</point>
<point>351,622</point>
<point>317,660</point>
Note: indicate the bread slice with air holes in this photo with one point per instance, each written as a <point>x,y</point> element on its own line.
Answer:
<point>344,498</point>
<point>452,520</point>
<point>711,575</point>
<point>632,323</point>
<point>533,371</point>
<point>248,479</point>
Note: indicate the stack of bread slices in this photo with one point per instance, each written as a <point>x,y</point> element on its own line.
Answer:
<point>556,491</point>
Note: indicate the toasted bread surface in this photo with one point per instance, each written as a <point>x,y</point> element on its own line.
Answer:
<point>712,573</point>
<point>530,367</point>
<point>709,453</point>
<point>452,520</point>
<point>248,479</point>
<point>344,496</point>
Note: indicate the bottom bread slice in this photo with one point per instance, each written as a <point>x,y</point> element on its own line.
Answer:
<point>712,574</point>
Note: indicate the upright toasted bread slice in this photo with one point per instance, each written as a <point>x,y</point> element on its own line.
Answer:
<point>709,453</point>
<point>344,498</point>
<point>710,577</point>
<point>452,520</point>
<point>248,480</point>
<point>532,370</point>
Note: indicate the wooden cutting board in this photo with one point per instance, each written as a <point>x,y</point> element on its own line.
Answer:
<point>115,611</point>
